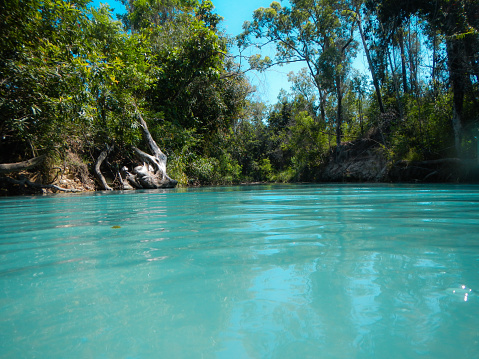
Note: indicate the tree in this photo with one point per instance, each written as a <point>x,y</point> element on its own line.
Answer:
<point>302,86</point>
<point>74,85</point>
<point>115,70</point>
<point>187,50</point>
<point>372,69</point>
<point>457,21</point>
<point>37,48</point>
<point>319,33</point>
<point>360,88</point>
<point>198,89</point>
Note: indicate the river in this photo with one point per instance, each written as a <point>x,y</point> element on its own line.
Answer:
<point>273,271</point>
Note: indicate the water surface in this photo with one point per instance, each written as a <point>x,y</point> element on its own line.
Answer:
<point>326,271</point>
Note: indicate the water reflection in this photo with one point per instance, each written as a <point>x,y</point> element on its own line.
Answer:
<point>295,272</point>
<point>364,288</point>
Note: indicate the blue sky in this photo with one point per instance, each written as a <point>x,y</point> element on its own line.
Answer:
<point>235,13</point>
<point>269,83</point>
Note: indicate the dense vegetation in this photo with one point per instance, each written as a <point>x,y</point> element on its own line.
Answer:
<point>74,81</point>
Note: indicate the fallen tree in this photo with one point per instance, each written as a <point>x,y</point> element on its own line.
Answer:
<point>21,166</point>
<point>23,181</point>
<point>150,174</point>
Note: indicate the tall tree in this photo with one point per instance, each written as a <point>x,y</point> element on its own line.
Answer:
<point>187,49</point>
<point>198,90</point>
<point>459,24</point>
<point>317,32</point>
<point>358,9</point>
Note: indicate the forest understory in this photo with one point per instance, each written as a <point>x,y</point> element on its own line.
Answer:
<point>361,161</point>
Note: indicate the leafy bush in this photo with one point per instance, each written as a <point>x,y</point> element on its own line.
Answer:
<point>203,170</point>
<point>228,169</point>
<point>426,133</point>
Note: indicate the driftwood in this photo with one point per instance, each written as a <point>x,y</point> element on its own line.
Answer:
<point>21,166</point>
<point>151,174</point>
<point>103,155</point>
<point>128,180</point>
<point>24,181</point>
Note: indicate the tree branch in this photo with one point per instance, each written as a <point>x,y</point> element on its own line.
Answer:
<point>151,142</point>
<point>25,181</point>
<point>21,166</point>
<point>103,155</point>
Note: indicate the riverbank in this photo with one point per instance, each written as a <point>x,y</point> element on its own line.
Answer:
<point>357,163</point>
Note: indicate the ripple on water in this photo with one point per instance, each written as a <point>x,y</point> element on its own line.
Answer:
<point>348,271</point>
<point>461,292</point>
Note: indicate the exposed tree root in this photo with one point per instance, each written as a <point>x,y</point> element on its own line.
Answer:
<point>24,181</point>
<point>150,175</point>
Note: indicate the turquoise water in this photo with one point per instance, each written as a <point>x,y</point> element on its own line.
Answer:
<point>326,271</point>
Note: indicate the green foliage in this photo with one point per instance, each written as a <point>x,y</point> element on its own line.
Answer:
<point>426,133</point>
<point>204,170</point>
<point>113,68</point>
<point>74,80</point>
<point>265,170</point>
<point>319,33</point>
<point>81,80</point>
<point>307,144</point>
<point>228,170</point>
<point>285,176</point>
<point>189,56</point>
<point>36,52</point>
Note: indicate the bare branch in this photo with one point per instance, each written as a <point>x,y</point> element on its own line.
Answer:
<point>103,155</point>
<point>21,166</point>
<point>25,181</point>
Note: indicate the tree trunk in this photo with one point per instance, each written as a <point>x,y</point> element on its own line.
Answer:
<point>314,75</point>
<point>128,180</point>
<point>103,155</point>
<point>434,64</point>
<point>339,118</point>
<point>455,51</point>
<point>403,60</point>
<point>413,57</point>
<point>321,106</point>
<point>396,86</point>
<point>370,63</point>
<point>360,111</point>
<point>24,181</point>
<point>21,166</point>
<point>152,174</point>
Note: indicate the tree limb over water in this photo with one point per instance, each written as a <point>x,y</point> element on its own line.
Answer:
<point>21,166</point>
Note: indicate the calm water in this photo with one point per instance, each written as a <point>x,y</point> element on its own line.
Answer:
<point>327,271</point>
